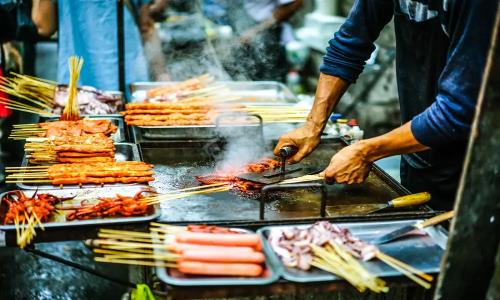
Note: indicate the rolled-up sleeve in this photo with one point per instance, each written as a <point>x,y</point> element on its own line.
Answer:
<point>353,44</point>
<point>449,118</point>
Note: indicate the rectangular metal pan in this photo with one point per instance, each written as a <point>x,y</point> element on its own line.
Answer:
<point>173,277</point>
<point>59,220</point>
<point>118,137</point>
<point>423,252</point>
<point>249,91</point>
<point>124,152</point>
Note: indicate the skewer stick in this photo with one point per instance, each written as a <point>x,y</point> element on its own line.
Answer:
<point>305,178</point>
<point>408,274</point>
<point>384,257</point>
<point>124,232</point>
<point>135,262</point>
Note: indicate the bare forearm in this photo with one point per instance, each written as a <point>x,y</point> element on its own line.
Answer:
<point>44,16</point>
<point>397,141</point>
<point>328,93</point>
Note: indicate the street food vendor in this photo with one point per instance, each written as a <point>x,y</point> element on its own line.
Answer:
<point>441,54</point>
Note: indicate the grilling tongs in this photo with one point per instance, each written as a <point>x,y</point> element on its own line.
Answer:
<point>285,171</point>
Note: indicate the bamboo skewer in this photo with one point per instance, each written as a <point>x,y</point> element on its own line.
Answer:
<point>305,178</point>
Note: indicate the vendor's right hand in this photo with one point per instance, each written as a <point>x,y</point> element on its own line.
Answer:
<point>304,138</point>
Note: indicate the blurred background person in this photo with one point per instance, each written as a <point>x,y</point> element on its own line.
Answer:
<point>88,29</point>
<point>262,31</point>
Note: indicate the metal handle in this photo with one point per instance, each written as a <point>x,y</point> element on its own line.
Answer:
<point>437,219</point>
<point>279,187</point>
<point>287,151</point>
<point>410,200</point>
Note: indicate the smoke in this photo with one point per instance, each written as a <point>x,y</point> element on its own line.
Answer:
<point>244,145</point>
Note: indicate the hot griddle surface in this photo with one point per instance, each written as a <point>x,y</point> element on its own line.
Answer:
<point>177,167</point>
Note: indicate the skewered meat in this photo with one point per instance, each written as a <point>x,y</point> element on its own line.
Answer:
<point>84,154</point>
<point>168,123</point>
<point>229,175</point>
<point>94,139</point>
<point>115,166</point>
<point>168,117</point>
<point>168,106</point>
<point>293,245</point>
<point>84,148</point>
<point>100,180</point>
<point>99,173</point>
<point>119,206</point>
<point>84,159</point>
<point>77,128</point>
<point>187,85</point>
<point>20,206</point>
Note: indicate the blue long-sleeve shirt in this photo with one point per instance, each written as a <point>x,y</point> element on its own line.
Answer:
<point>466,26</point>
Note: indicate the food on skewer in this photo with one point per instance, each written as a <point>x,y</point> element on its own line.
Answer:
<point>334,249</point>
<point>64,149</point>
<point>175,92</point>
<point>111,206</point>
<point>226,252</point>
<point>46,97</point>
<point>26,212</point>
<point>83,173</point>
<point>64,128</point>
<point>230,175</point>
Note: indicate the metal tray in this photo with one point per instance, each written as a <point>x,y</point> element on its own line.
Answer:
<point>249,91</point>
<point>59,220</point>
<point>194,131</point>
<point>173,277</point>
<point>118,137</point>
<point>423,252</point>
<point>124,152</point>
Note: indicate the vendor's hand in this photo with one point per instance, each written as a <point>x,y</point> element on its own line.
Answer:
<point>350,165</point>
<point>305,139</point>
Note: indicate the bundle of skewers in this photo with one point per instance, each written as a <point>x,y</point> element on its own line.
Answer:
<point>83,173</point>
<point>70,149</point>
<point>63,128</point>
<point>187,91</point>
<point>28,213</point>
<point>191,250</point>
<point>48,98</point>
<point>335,250</point>
<point>206,111</point>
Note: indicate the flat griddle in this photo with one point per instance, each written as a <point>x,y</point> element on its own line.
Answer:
<point>177,164</point>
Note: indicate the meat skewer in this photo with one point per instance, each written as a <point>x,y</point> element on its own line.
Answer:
<point>82,173</point>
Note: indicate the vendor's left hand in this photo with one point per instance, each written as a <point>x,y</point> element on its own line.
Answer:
<point>350,165</point>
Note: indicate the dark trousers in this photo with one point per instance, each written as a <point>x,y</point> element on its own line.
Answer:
<point>440,182</point>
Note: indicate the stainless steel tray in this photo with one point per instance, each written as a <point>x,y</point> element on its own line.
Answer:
<point>59,220</point>
<point>173,277</point>
<point>423,252</point>
<point>194,131</point>
<point>118,137</point>
<point>248,91</point>
<point>124,152</point>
